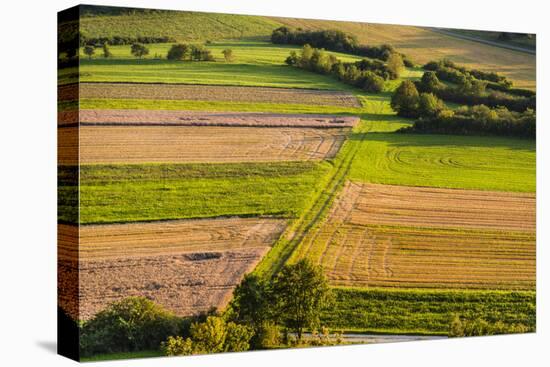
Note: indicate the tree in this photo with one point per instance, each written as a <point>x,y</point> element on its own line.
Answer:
<point>405,99</point>
<point>89,50</point>
<point>251,305</point>
<point>429,82</point>
<point>292,59</point>
<point>305,56</point>
<point>429,105</point>
<point>178,52</point>
<point>106,51</point>
<point>139,50</point>
<point>300,293</point>
<point>395,64</point>
<point>228,54</point>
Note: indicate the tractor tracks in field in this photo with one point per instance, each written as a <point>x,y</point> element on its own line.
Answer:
<point>295,234</point>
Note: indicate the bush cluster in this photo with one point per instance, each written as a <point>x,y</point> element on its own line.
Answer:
<point>365,74</point>
<point>478,74</point>
<point>214,335</point>
<point>132,324</point>
<point>333,40</point>
<point>183,51</point>
<point>479,327</point>
<point>433,116</point>
<point>471,91</point>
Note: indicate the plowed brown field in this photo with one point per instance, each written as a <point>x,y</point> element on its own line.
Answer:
<point>179,144</point>
<point>193,118</point>
<point>187,266</point>
<point>217,93</point>
<point>396,236</point>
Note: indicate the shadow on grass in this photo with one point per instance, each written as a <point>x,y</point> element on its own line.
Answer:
<point>397,139</point>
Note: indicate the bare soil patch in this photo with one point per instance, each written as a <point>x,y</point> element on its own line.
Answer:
<point>193,118</point>
<point>188,266</point>
<point>180,144</point>
<point>217,93</point>
<point>396,236</point>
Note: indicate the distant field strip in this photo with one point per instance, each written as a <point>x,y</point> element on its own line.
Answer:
<point>392,236</point>
<point>215,93</point>
<point>165,237</point>
<point>186,266</point>
<point>179,144</point>
<point>191,118</point>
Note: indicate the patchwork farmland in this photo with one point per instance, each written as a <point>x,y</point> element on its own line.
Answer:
<point>193,173</point>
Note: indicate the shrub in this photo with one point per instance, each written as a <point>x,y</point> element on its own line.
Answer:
<point>211,336</point>
<point>429,83</point>
<point>429,105</point>
<point>89,51</point>
<point>139,50</point>
<point>480,327</point>
<point>228,55</point>
<point>373,83</point>
<point>395,64</point>
<point>106,51</point>
<point>178,52</point>
<point>132,324</point>
<point>405,100</point>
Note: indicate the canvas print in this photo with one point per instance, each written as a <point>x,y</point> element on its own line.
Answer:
<point>231,183</point>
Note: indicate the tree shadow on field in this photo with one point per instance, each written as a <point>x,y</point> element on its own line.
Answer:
<point>396,139</point>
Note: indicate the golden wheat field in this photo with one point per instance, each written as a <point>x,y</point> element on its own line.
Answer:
<point>397,236</point>
<point>188,266</point>
<point>179,144</point>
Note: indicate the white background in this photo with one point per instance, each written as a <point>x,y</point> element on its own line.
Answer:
<point>28,182</point>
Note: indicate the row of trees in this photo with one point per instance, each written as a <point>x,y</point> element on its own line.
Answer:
<point>470,91</point>
<point>434,117</point>
<point>366,74</point>
<point>263,314</point>
<point>119,40</point>
<point>333,40</point>
<point>180,52</point>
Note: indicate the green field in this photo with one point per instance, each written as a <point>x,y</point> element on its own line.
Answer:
<point>467,162</point>
<point>127,193</point>
<point>183,26</point>
<point>415,311</point>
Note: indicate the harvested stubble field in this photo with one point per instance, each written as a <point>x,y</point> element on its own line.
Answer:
<point>187,266</point>
<point>179,144</point>
<point>396,236</point>
<point>101,242</point>
<point>215,93</point>
<point>192,118</point>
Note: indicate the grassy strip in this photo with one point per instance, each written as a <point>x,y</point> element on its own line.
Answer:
<point>287,244</point>
<point>213,106</point>
<point>127,193</point>
<point>127,355</point>
<point>417,311</point>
